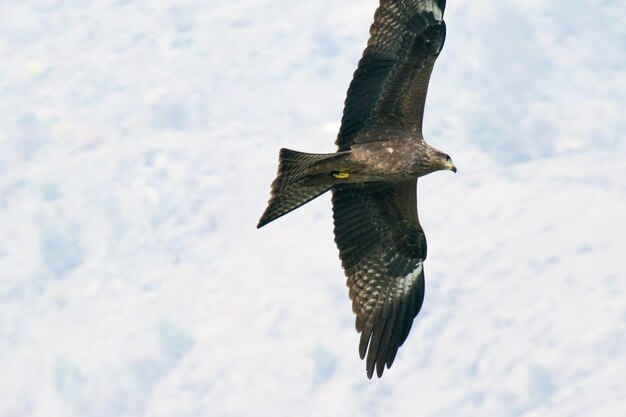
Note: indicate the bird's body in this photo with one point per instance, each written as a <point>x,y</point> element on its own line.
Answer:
<point>395,159</point>
<point>391,159</point>
<point>373,175</point>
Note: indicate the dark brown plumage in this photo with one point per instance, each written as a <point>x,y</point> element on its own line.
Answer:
<point>373,176</point>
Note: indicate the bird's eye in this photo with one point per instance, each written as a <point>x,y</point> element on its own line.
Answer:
<point>447,158</point>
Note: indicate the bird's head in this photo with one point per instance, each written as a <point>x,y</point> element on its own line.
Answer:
<point>443,161</point>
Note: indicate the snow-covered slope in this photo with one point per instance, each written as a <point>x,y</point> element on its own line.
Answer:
<point>137,143</point>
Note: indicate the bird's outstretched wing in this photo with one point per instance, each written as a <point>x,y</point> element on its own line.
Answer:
<point>382,248</point>
<point>389,87</point>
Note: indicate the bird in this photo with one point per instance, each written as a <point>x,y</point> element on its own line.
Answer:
<point>373,175</point>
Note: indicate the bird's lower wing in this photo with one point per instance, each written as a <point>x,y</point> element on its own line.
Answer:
<point>382,248</point>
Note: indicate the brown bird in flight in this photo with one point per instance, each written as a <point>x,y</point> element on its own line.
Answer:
<point>373,175</point>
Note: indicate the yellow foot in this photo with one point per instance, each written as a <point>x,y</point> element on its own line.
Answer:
<point>340,175</point>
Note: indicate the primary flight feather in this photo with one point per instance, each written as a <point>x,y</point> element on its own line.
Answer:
<point>373,176</point>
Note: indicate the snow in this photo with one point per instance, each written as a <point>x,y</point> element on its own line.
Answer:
<point>138,142</point>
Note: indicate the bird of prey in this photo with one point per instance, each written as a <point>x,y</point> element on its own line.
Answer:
<point>373,176</point>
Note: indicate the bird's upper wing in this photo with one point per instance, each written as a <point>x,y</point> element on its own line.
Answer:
<point>389,86</point>
<point>382,247</point>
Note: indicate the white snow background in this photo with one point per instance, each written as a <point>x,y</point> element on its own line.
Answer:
<point>138,140</point>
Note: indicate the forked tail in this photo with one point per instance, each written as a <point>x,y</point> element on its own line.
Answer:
<point>295,185</point>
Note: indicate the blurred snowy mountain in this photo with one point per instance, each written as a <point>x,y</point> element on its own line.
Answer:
<point>137,144</point>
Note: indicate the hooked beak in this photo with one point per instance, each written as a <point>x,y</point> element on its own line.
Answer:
<point>451,167</point>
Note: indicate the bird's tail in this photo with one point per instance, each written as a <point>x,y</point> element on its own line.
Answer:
<point>297,182</point>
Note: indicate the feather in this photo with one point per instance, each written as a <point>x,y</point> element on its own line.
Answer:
<point>386,282</point>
